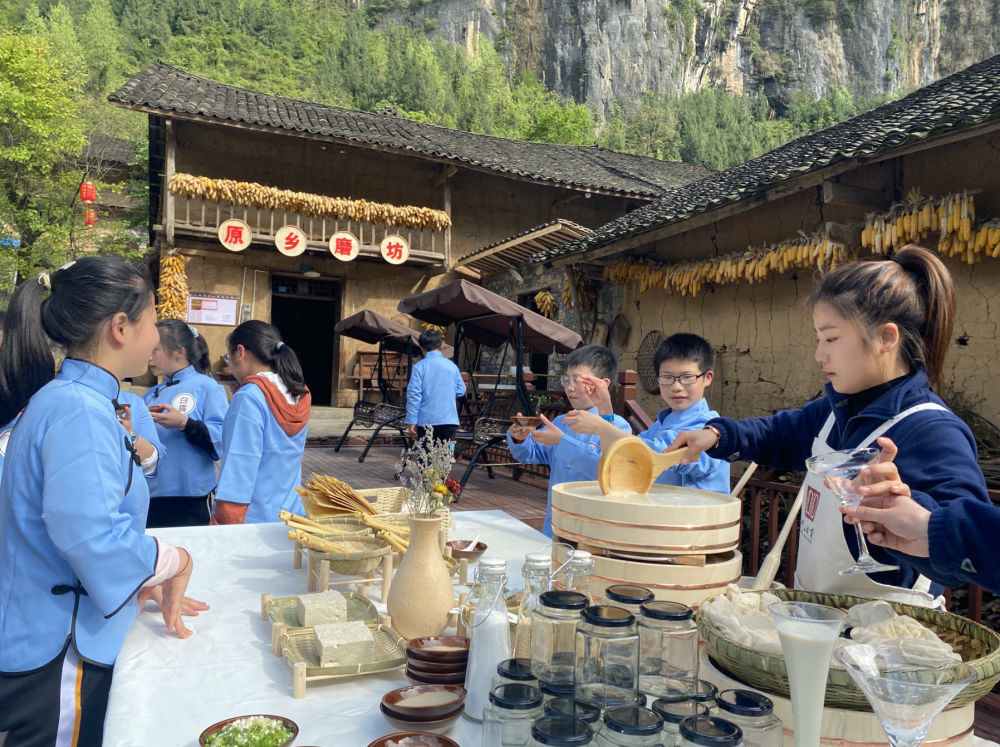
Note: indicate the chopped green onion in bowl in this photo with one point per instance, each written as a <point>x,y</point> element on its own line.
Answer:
<point>249,731</point>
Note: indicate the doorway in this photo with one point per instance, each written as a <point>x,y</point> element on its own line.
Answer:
<point>305,311</point>
<point>537,362</point>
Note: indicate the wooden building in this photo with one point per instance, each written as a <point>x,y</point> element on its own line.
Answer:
<point>489,187</point>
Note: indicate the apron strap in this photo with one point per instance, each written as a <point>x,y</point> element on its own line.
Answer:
<point>882,429</point>
<point>827,427</point>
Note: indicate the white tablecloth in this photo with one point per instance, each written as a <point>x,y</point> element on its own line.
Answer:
<point>166,691</point>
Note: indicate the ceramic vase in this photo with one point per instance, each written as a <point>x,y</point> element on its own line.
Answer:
<point>421,595</point>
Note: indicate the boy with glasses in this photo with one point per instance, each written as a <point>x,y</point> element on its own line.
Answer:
<point>572,456</point>
<point>683,364</point>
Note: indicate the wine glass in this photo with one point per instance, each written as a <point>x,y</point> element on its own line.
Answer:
<point>906,701</point>
<point>840,470</point>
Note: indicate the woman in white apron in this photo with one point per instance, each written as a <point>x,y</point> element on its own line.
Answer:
<point>883,327</point>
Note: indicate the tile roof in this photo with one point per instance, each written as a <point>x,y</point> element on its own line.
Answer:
<point>960,101</point>
<point>166,90</point>
<point>108,149</point>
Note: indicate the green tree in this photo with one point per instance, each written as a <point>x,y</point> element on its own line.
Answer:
<point>100,42</point>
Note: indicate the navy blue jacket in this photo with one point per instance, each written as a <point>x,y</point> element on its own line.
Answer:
<point>961,538</point>
<point>937,454</point>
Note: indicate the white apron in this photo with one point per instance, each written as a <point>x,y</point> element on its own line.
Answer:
<point>823,550</point>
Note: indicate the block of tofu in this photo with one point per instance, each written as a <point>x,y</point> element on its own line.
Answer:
<point>327,607</point>
<point>344,643</point>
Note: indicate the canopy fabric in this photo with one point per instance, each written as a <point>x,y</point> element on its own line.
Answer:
<point>487,317</point>
<point>369,326</point>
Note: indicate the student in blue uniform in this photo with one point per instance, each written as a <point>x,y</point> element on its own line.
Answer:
<point>435,383</point>
<point>265,430</point>
<point>73,550</point>
<point>572,456</point>
<point>883,327</point>
<point>139,426</point>
<point>188,408</point>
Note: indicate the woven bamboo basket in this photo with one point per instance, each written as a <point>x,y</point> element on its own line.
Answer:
<point>384,501</point>
<point>346,528</point>
<point>978,646</point>
<point>365,556</point>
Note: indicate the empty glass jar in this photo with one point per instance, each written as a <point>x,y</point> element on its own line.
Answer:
<point>569,706</point>
<point>576,572</point>
<point>537,572</point>
<point>627,597</point>
<point>559,731</point>
<point>552,692</point>
<point>607,657</point>
<point>668,649</point>
<point>514,671</point>
<point>673,712</point>
<point>508,717</point>
<point>630,726</point>
<point>553,636</point>
<point>706,731</point>
<point>754,714</point>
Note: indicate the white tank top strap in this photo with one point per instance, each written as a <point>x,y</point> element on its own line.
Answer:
<point>882,429</point>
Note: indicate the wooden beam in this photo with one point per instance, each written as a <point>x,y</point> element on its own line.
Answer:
<point>534,235</point>
<point>835,193</point>
<point>844,233</point>
<point>168,174</point>
<point>449,171</point>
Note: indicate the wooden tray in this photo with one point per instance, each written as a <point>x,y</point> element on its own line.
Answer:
<point>284,610</point>
<point>299,649</point>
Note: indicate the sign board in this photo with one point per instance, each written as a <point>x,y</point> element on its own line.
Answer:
<point>235,235</point>
<point>344,245</point>
<point>395,249</point>
<point>290,240</point>
<point>212,308</point>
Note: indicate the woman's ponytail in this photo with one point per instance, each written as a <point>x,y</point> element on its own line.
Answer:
<point>177,335</point>
<point>937,288</point>
<point>264,341</point>
<point>26,361</point>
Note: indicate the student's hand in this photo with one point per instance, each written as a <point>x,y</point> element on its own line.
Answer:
<point>167,416</point>
<point>190,607</point>
<point>599,392</point>
<point>125,416</point>
<point>412,430</point>
<point>582,421</point>
<point>519,433</point>
<point>694,442</point>
<point>549,435</point>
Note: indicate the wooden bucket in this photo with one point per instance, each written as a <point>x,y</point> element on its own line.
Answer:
<point>666,521</point>
<point>687,584</point>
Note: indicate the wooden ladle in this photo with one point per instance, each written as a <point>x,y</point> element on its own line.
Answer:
<point>629,465</point>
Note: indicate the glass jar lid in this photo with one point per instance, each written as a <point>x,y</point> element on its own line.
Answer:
<point>666,611</point>
<point>556,690</point>
<point>537,561</point>
<point>675,711</point>
<point>493,564</point>
<point>516,696</point>
<point>568,706</point>
<point>744,703</point>
<point>701,691</point>
<point>633,720</point>
<point>515,669</point>
<point>563,600</point>
<point>628,594</point>
<point>561,730</point>
<point>711,732</point>
<point>606,616</point>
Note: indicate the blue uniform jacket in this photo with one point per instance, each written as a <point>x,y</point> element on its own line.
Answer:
<point>937,453</point>
<point>189,470</point>
<point>142,423</point>
<point>261,464</point>
<point>705,474</point>
<point>575,457</point>
<point>67,522</point>
<point>4,438</point>
<point>430,395</point>
<point>961,537</point>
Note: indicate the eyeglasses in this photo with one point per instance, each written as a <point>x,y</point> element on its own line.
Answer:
<point>567,380</point>
<point>685,379</point>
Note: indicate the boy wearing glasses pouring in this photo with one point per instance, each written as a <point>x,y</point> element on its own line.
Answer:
<point>572,456</point>
<point>684,364</point>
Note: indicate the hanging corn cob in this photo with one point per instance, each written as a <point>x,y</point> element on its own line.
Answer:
<point>952,217</point>
<point>436,327</point>
<point>584,291</point>
<point>173,289</point>
<point>546,303</point>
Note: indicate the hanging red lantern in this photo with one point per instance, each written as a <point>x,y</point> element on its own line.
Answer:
<point>88,193</point>
<point>90,218</point>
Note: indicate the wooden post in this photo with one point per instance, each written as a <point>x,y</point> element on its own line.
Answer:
<point>448,173</point>
<point>170,167</point>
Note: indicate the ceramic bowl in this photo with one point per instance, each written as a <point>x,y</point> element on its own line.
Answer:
<point>424,701</point>
<point>439,648</point>
<point>472,553</point>
<point>202,739</point>
<point>526,421</point>
<point>436,667</point>
<point>430,678</point>
<point>413,739</point>
<point>434,726</point>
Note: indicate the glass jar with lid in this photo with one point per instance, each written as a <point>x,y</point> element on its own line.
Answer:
<point>673,712</point>
<point>708,731</point>
<point>553,636</point>
<point>575,573</point>
<point>754,714</point>
<point>553,692</point>
<point>490,636</point>
<point>559,731</point>
<point>508,716</point>
<point>607,657</point>
<point>668,649</point>
<point>627,597</point>
<point>514,671</point>
<point>630,726</point>
<point>537,572</point>
<point>569,706</point>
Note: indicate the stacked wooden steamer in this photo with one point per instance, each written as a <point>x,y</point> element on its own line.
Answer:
<point>680,543</point>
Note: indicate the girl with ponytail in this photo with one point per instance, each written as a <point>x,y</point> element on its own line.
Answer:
<point>883,326</point>
<point>188,409</point>
<point>265,430</point>
<point>74,556</point>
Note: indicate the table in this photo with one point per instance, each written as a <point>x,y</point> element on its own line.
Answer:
<point>166,691</point>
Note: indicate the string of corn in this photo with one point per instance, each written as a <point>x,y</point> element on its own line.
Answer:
<point>256,195</point>
<point>436,327</point>
<point>173,291</point>
<point>584,291</point>
<point>546,303</point>
<point>753,265</point>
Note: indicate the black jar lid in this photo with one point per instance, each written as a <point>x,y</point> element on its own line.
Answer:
<point>516,669</point>
<point>633,720</point>
<point>711,732</point>
<point>516,696</point>
<point>606,616</point>
<point>628,594</point>
<point>744,703</point>
<point>561,730</point>
<point>568,706</point>
<point>666,611</point>
<point>563,600</point>
<point>705,692</point>
<point>556,690</point>
<point>675,711</point>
